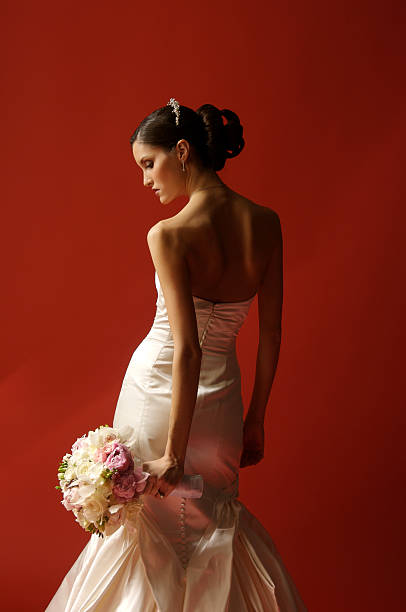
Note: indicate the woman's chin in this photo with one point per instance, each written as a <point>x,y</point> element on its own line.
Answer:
<point>165,199</point>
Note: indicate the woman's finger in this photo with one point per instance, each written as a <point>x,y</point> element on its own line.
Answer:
<point>152,486</point>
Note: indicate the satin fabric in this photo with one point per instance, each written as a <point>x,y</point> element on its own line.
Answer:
<point>184,554</point>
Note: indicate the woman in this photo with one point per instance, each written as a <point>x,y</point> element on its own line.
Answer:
<point>182,391</point>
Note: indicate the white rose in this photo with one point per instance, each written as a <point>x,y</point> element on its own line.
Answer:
<point>69,474</point>
<point>98,438</point>
<point>81,456</point>
<point>95,472</point>
<point>80,518</point>
<point>85,491</point>
<point>90,472</point>
<point>95,507</point>
<point>108,434</point>
<point>82,468</point>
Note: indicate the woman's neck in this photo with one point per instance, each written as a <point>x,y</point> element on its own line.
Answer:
<point>203,181</point>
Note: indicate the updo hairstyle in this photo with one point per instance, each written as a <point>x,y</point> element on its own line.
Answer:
<point>204,129</point>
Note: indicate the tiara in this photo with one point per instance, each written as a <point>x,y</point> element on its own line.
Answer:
<point>175,107</point>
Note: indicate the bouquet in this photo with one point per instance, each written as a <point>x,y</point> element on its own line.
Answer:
<point>101,483</point>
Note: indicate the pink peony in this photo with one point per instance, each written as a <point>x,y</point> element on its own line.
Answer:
<point>119,458</point>
<point>124,485</point>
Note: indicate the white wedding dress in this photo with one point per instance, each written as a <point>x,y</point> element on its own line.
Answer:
<point>185,554</point>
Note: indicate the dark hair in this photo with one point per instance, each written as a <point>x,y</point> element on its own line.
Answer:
<point>204,129</point>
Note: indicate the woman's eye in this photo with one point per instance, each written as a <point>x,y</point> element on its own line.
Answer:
<point>150,165</point>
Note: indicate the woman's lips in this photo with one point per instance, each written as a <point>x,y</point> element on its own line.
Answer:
<point>157,191</point>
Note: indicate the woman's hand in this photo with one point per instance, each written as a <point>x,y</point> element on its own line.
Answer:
<point>253,442</point>
<point>165,474</point>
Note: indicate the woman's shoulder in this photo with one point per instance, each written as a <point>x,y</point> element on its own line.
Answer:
<point>188,216</point>
<point>266,211</point>
<point>260,208</point>
<point>251,228</point>
<point>262,215</point>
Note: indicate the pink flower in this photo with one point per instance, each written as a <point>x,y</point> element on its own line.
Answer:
<point>102,453</point>
<point>119,458</point>
<point>80,443</point>
<point>141,478</point>
<point>71,498</point>
<point>124,485</point>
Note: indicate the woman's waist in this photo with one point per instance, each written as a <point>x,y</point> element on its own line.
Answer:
<point>211,342</point>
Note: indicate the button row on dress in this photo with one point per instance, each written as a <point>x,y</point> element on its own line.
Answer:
<point>182,529</point>
<point>207,325</point>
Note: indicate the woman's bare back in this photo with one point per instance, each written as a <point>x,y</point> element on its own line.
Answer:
<point>228,241</point>
<point>224,248</point>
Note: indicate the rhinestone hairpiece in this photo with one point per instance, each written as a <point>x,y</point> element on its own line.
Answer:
<point>175,107</point>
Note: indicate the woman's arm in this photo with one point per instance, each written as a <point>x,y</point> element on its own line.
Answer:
<point>185,379</point>
<point>270,298</point>
<point>167,252</point>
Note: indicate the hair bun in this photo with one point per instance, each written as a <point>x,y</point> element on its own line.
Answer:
<point>234,130</point>
<point>223,140</point>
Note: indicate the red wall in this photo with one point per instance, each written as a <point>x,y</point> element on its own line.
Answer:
<point>318,88</point>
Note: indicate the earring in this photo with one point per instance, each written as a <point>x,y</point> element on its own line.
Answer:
<point>183,166</point>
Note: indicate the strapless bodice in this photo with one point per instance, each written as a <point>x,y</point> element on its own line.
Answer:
<point>218,323</point>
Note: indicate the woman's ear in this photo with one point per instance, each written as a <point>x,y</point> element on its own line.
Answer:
<point>183,150</point>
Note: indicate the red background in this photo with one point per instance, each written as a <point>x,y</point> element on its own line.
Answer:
<point>319,89</point>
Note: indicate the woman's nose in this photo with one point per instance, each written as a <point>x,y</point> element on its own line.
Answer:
<point>147,182</point>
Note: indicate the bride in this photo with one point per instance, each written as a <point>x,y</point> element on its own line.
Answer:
<point>181,392</point>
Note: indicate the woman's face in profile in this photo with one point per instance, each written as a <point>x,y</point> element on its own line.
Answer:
<point>161,170</point>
